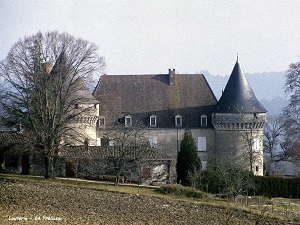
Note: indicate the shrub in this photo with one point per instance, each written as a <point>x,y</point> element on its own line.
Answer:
<point>179,190</point>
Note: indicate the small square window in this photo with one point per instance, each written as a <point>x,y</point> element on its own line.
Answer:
<point>76,106</point>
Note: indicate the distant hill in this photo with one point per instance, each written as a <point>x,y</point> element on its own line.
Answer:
<point>268,87</point>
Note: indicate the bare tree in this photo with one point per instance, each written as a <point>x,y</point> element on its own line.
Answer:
<point>237,180</point>
<point>44,77</point>
<point>130,143</point>
<point>272,139</point>
<point>291,113</point>
<point>253,154</point>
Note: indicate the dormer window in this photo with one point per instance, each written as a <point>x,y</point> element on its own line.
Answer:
<point>152,121</point>
<point>101,121</point>
<point>178,121</point>
<point>203,121</point>
<point>128,121</point>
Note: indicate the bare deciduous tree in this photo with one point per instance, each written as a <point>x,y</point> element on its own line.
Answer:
<point>131,144</point>
<point>237,179</point>
<point>253,154</point>
<point>272,139</point>
<point>291,113</point>
<point>44,75</point>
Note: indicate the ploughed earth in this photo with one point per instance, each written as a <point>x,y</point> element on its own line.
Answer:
<point>30,202</point>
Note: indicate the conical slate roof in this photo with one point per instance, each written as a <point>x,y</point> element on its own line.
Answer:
<point>81,93</point>
<point>238,96</point>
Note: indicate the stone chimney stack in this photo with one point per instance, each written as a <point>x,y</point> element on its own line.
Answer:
<point>172,77</point>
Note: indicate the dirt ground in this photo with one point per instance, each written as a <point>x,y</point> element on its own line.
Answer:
<point>28,202</point>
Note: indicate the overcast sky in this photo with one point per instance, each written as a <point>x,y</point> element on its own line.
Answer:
<point>142,37</point>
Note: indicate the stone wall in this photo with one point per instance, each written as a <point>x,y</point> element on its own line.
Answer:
<point>168,142</point>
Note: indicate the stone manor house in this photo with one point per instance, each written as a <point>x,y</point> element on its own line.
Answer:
<point>230,128</point>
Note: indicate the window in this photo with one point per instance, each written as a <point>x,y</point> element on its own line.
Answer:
<point>11,161</point>
<point>128,121</point>
<point>201,144</point>
<point>146,173</point>
<point>178,121</point>
<point>255,145</point>
<point>98,141</point>
<point>256,168</point>
<point>204,165</point>
<point>76,106</point>
<point>152,121</point>
<point>153,142</point>
<point>203,121</point>
<point>104,142</point>
<point>101,121</point>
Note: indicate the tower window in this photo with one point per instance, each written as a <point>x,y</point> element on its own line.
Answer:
<point>128,121</point>
<point>101,122</point>
<point>152,121</point>
<point>178,121</point>
<point>203,121</point>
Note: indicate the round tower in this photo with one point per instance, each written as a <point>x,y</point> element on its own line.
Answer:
<point>239,120</point>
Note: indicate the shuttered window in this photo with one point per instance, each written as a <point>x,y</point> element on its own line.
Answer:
<point>201,144</point>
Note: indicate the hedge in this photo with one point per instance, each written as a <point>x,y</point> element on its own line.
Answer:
<point>264,185</point>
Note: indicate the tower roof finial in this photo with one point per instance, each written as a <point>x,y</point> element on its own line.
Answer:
<point>237,57</point>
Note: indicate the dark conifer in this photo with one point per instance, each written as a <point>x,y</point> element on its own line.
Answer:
<point>188,160</point>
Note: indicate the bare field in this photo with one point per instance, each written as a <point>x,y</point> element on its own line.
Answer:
<point>32,202</point>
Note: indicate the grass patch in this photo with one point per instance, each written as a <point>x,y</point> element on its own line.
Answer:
<point>179,190</point>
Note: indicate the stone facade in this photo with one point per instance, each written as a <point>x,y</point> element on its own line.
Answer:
<point>241,136</point>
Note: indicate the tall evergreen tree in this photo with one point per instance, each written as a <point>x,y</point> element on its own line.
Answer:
<point>188,161</point>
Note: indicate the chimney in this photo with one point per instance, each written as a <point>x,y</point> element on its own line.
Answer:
<point>172,77</point>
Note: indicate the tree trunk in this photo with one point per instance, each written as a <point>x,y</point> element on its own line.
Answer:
<point>49,167</point>
<point>117,178</point>
<point>46,167</point>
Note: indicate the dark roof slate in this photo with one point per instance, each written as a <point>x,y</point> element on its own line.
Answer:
<point>238,96</point>
<point>143,95</point>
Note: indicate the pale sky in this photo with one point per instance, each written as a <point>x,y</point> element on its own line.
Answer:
<point>149,37</point>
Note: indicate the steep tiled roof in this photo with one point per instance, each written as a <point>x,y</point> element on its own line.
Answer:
<point>98,152</point>
<point>143,95</point>
<point>238,96</point>
<point>7,138</point>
